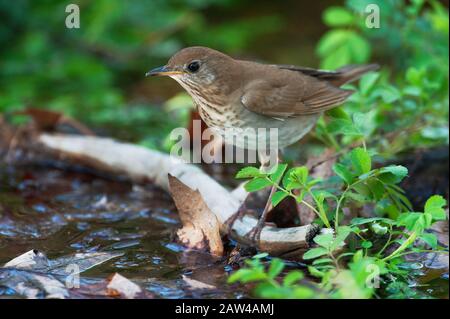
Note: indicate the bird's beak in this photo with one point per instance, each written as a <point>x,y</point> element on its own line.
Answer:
<point>162,70</point>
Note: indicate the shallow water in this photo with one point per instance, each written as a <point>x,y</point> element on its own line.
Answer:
<point>61,213</point>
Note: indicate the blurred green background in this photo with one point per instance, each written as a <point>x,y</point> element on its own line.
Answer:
<point>96,73</point>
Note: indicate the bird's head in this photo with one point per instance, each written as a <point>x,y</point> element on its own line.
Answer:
<point>195,68</point>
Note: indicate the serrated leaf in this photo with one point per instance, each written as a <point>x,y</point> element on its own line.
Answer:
<point>388,93</point>
<point>257,184</point>
<point>292,277</point>
<point>321,261</point>
<point>341,236</point>
<point>314,253</point>
<point>357,197</point>
<point>324,240</point>
<point>315,272</point>
<point>430,239</point>
<point>361,160</point>
<point>278,197</point>
<point>252,276</point>
<point>393,174</point>
<point>434,206</point>
<point>276,267</point>
<point>288,182</point>
<point>343,173</point>
<point>331,41</point>
<point>409,220</point>
<point>361,220</point>
<point>248,172</point>
<point>337,16</point>
<point>300,174</point>
<point>343,126</point>
<point>338,113</point>
<point>367,82</point>
<point>378,229</point>
<point>376,187</point>
<point>359,48</point>
<point>366,244</point>
<point>260,256</point>
<point>279,171</point>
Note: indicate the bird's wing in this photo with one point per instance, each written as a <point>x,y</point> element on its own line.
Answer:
<point>290,96</point>
<point>339,77</point>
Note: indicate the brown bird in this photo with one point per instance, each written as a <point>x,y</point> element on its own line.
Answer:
<point>244,96</point>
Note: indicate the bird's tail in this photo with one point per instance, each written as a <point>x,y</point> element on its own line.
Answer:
<point>352,73</point>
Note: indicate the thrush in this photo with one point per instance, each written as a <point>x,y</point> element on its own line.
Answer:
<point>240,95</point>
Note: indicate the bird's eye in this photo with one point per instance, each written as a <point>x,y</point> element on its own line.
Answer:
<point>193,66</point>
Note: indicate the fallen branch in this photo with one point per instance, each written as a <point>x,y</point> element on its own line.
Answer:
<point>141,164</point>
<point>201,229</point>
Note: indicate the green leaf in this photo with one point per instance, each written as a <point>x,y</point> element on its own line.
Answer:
<point>300,174</point>
<point>343,173</point>
<point>248,172</point>
<point>361,220</point>
<point>388,93</point>
<point>337,17</point>
<point>276,267</point>
<point>359,48</point>
<point>247,275</point>
<point>303,292</point>
<point>278,197</point>
<point>338,113</point>
<point>393,174</point>
<point>322,261</point>
<point>252,276</point>
<point>260,256</point>
<point>314,253</point>
<point>414,76</point>
<point>324,240</point>
<point>376,187</point>
<point>279,171</point>
<point>289,181</point>
<point>257,184</point>
<point>361,160</point>
<point>365,123</point>
<point>366,244</point>
<point>343,126</point>
<point>430,239</point>
<point>331,41</point>
<point>367,82</point>
<point>357,197</point>
<point>313,182</point>
<point>434,206</point>
<point>341,236</point>
<point>315,272</point>
<point>292,277</point>
<point>378,229</point>
<point>411,221</point>
<point>268,290</point>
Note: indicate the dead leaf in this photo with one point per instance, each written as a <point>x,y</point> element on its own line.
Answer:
<point>47,120</point>
<point>121,286</point>
<point>33,275</point>
<point>201,229</point>
<point>195,284</point>
<point>43,119</point>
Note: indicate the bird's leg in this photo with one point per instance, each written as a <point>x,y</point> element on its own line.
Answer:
<point>239,214</point>
<point>255,233</point>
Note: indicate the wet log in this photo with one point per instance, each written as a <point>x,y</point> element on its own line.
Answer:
<point>141,164</point>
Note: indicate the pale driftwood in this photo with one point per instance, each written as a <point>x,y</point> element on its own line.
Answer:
<point>140,163</point>
<point>201,229</point>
